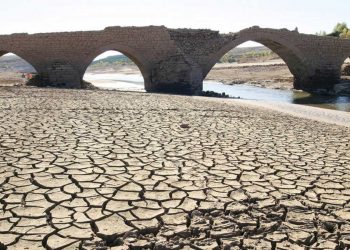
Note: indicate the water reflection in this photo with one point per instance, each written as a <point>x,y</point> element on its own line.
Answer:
<point>250,92</point>
<point>329,102</point>
<point>341,103</point>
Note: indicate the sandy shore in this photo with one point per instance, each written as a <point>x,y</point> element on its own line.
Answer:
<point>83,169</point>
<point>11,79</point>
<point>272,74</point>
<point>313,113</point>
<point>121,69</point>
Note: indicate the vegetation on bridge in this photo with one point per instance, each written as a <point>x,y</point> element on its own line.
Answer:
<point>340,30</point>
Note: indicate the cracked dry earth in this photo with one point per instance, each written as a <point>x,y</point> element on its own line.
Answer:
<point>109,170</point>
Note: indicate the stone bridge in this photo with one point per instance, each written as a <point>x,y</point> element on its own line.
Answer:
<point>175,60</point>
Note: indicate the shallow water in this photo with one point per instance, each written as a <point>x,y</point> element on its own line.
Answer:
<point>133,82</point>
<point>129,82</point>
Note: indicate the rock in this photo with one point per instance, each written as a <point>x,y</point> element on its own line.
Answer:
<point>184,125</point>
<point>345,69</point>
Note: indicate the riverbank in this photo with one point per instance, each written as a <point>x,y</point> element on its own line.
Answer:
<point>94,169</point>
<point>11,79</point>
<point>308,112</point>
<point>271,74</point>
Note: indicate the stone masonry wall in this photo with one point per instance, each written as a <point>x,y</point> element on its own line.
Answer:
<point>314,61</point>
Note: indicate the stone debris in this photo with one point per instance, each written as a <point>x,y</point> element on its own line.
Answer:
<point>111,170</point>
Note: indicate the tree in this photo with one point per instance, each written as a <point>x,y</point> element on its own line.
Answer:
<point>345,33</point>
<point>341,30</point>
<point>321,33</point>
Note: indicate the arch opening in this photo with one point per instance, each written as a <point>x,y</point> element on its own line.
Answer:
<point>345,70</point>
<point>115,70</point>
<point>262,64</point>
<point>14,70</point>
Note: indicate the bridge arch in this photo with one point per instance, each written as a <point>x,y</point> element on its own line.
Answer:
<point>22,57</point>
<point>133,54</point>
<point>292,56</point>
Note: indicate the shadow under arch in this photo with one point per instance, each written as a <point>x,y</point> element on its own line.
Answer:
<point>287,52</point>
<point>22,57</point>
<point>132,54</point>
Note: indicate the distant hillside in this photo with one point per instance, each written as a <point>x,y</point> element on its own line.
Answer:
<point>111,63</point>
<point>117,59</point>
<point>248,54</point>
<point>239,51</point>
<point>13,63</point>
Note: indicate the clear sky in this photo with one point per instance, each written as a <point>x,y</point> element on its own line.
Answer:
<point>33,16</point>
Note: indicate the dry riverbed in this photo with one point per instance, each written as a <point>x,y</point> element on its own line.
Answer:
<point>84,169</point>
<point>273,74</point>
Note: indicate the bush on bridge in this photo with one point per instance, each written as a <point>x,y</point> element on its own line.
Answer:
<point>341,30</point>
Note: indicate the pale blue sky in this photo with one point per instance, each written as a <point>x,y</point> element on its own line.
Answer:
<point>224,15</point>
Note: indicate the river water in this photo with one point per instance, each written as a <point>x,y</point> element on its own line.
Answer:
<point>133,82</point>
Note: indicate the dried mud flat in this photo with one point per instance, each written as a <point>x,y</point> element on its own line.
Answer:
<point>110,170</point>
